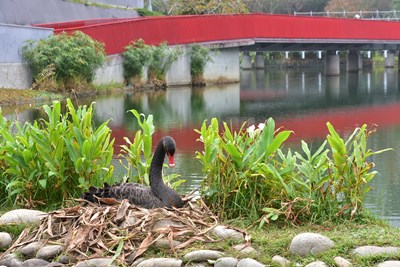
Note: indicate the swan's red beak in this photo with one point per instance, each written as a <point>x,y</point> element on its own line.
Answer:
<point>171,161</point>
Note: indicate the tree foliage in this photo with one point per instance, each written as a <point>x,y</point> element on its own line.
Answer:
<point>195,7</point>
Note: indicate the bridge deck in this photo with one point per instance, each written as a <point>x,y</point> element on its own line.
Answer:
<point>250,31</point>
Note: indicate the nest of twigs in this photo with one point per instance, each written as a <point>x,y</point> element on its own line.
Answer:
<point>121,230</point>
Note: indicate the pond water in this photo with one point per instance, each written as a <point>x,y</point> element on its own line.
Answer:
<point>302,100</point>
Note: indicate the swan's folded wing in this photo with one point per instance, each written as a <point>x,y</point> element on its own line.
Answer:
<point>137,194</point>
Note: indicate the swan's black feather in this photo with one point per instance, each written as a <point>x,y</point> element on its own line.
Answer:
<point>156,196</point>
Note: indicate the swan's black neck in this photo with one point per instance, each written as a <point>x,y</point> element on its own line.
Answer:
<point>156,166</point>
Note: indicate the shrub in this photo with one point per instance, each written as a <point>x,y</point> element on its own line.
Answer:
<point>136,156</point>
<point>75,57</point>
<point>248,175</point>
<point>52,160</point>
<point>199,57</point>
<point>162,59</point>
<point>136,56</point>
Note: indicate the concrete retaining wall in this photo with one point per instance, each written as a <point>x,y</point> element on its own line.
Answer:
<point>225,66</point>
<point>13,37</point>
<point>27,12</point>
<point>112,71</point>
<point>13,72</point>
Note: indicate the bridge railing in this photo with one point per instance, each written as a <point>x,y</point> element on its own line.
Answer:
<point>392,15</point>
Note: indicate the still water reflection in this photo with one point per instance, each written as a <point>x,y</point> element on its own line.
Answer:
<point>299,100</point>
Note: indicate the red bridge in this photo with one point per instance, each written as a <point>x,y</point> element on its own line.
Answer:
<point>251,32</point>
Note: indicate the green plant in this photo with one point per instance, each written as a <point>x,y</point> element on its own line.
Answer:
<point>136,56</point>
<point>75,57</point>
<point>52,160</point>
<point>236,165</point>
<point>162,59</point>
<point>136,156</point>
<point>248,175</point>
<point>199,57</point>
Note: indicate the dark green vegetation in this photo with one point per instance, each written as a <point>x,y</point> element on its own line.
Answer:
<point>157,59</point>
<point>249,176</point>
<point>63,62</point>
<point>51,160</point>
<point>199,57</point>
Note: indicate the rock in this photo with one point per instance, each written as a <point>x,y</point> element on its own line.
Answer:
<point>97,262</point>
<point>64,259</point>
<point>310,243</point>
<point>165,223</point>
<point>202,255</point>
<point>281,260</point>
<point>375,250</point>
<point>11,260</point>
<point>5,240</point>
<point>245,249</point>
<point>54,264</point>
<point>197,264</point>
<point>30,250</point>
<point>160,262</point>
<point>34,263</point>
<point>22,216</point>
<point>342,262</point>
<point>224,232</point>
<point>317,264</point>
<point>389,264</point>
<point>249,262</point>
<point>164,243</point>
<point>226,262</point>
<point>49,252</point>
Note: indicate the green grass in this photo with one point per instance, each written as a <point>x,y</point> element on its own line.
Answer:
<point>275,240</point>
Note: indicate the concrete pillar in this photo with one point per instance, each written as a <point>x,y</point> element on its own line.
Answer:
<point>246,61</point>
<point>353,61</point>
<point>389,59</point>
<point>259,62</point>
<point>332,64</point>
<point>360,61</point>
<point>398,63</point>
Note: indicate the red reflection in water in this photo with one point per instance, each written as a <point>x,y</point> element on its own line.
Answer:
<point>306,127</point>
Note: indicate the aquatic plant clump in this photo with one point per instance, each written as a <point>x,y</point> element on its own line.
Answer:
<point>249,176</point>
<point>46,162</point>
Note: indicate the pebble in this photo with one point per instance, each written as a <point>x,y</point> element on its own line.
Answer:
<point>389,264</point>
<point>22,216</point>
<point>249,262</point>
<point>164,243</point>
<point>161,262</point>
<point>34,263</point>
<point>226,262</point>
<point>49,252</point>
<point>375,250</point>
<point>30,250</point>
<point>202,255</point>
<point>5,240</point>
<point>281,261</point>
<point>224,233</point>
<point>317,264</point>
<point>244,249</point>
<point>342,262</point>
<point>97,262</point>
<point>11,260</point>
<point>310,243</point>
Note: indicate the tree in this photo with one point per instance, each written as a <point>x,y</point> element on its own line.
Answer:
<point>285,6</point>
<point>195,7</point>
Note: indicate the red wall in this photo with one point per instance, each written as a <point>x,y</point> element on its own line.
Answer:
<point>117,33</point>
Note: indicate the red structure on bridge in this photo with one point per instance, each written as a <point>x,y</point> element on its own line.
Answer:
<point>312,33</point>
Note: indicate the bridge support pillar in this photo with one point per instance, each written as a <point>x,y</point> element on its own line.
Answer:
<point>354,62</point>
<point>259,61</point>
<point>332,64</point>
<point>389,60</point>
<point>246,61</point>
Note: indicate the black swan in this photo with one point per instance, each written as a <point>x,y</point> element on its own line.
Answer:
<point>157,195</point>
